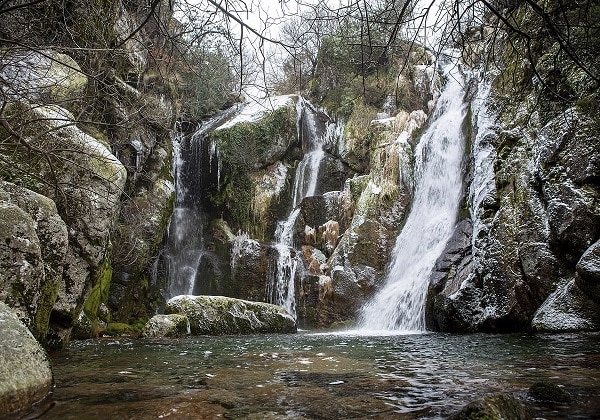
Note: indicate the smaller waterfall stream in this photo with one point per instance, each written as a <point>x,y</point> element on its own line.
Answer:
<point>399,305</point>
<point>184,251</point>
<point>280,287</point>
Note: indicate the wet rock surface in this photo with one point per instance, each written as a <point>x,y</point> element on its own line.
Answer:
<point>32,251</point>
<point>534,238</point>
<point>495,406</point>
<point>549,392</point>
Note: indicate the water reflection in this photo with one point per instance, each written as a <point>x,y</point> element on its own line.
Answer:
<point>320,376</point>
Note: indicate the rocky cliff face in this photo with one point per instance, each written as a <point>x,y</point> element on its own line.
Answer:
<point>516,263</point>
<point>78,131</point>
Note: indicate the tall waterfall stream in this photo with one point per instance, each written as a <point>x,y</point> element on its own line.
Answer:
<point>400,304</point>
<point>280,287</point>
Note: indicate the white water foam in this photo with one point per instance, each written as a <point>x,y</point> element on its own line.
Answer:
<point>400,304</point>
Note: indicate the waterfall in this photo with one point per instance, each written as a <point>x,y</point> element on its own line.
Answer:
<point>184,251</point>
<point>282,269</point>
<point>400,304</point>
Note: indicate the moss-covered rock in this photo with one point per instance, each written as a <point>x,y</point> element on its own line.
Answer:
<point>218,315</point>
<point>259,136</point>
<point>167,326</point>
<point>494,407</point>
<point>43,76</point>
<point>85,181</point>
<point>24,366</point>
<point>34,294</point>
<point>549,392</point>
<point>121,329</point>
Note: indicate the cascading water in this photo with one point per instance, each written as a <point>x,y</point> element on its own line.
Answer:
<point>184,251</point>
<point>280,288</point>
<point>400,304</point>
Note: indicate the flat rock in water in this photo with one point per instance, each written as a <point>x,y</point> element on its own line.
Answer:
<point>25,375</point>
<point>219,315</point>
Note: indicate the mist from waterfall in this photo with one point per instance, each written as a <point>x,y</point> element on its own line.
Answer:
<point>400,304</point>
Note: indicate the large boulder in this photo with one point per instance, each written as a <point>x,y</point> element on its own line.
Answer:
<point>42,76</point>
<point>588,272</point>
<point>567,309</point>
<point>83,178</point>
<point>218,315</point>
<point>33,245</point>
<point>249,268</point>
<point>24,367</point>
<point>249,146</point>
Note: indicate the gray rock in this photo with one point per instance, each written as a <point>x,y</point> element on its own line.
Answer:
<point>588,270</point>
<point>167,326</point>
<point>43,75</point>
<point>21,264</point>
<point>24,367</point>
<point>249,268</point>
<point>86,191</point>
<point>567,309</point>
<point>218,315</point>
<point>38,292</point>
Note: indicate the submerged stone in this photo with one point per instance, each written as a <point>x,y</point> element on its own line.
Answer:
<point>219,315</point>
<point>548,392</point>
<point>494,406</point>
<point>25,372</point>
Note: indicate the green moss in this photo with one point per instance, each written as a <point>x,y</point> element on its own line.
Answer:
<point>48,294</point>
<point>244,148</point>
<point>246,143</point>
<point>118,328</point>
<point>99,293</point>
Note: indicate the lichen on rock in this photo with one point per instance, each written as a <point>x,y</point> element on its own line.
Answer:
<point>218,315</point>
<point>167,326</point>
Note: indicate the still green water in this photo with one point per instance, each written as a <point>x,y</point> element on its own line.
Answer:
<point>320,376</point>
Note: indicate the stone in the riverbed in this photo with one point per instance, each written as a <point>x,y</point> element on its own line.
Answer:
<point>549,392</point>
<point>219,315</point>
<point>167,326</point>
<point>494,406</point>
<point>567,309</point>
<point>25,375</point>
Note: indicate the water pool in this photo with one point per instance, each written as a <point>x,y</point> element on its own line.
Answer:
<point>320,376</point>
